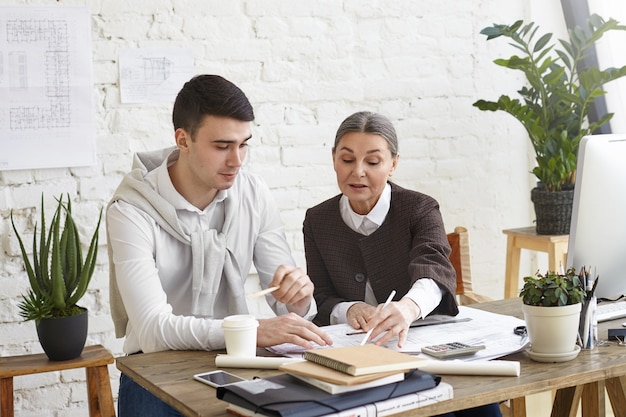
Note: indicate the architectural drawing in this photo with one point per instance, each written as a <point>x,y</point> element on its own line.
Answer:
<point>46,120</point>
<point>153,75</point>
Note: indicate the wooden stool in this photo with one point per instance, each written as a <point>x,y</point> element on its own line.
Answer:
<point>94,359</point>
<point>527,238</point>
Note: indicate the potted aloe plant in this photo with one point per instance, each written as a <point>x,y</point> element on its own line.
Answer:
<point>553,107</point>
<point>551,304</point>
<point>58,278</point>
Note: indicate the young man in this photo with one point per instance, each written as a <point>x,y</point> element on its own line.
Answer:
<point>183,229</point>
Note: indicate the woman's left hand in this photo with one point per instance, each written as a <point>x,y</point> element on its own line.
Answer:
<point>359,313</point>
<point>395,320</point>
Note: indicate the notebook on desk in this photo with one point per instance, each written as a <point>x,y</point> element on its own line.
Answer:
<point>363,360</point>
<point>323,373</point>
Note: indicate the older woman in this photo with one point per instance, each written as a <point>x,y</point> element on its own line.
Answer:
<point>376,237</point>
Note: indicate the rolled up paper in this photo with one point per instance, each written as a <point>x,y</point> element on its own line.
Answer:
<point>256,362</point>
<point>458,367</point>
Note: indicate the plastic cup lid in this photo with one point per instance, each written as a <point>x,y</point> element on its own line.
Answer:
<point>239,321</point>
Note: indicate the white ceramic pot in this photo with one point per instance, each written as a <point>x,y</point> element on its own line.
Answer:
<point>552,330</point>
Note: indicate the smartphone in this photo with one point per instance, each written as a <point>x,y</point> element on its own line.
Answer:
<point>218,378</point>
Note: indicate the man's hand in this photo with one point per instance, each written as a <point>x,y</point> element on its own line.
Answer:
<point>290,328</point>
<point>296,288</point>
<point>394,320</point>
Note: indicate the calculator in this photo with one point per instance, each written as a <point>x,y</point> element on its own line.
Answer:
<point>450,350</point>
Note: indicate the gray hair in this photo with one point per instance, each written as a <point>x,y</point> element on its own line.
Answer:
<point>369,122</point>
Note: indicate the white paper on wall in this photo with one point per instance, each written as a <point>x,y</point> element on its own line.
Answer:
<point>46,87</point>
<point>153,75</point>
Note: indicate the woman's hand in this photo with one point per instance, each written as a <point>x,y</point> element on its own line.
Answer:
<point>395,320</point>
<point>358,314</point>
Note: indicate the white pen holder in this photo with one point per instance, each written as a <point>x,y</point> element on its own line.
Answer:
<point>588,328</point>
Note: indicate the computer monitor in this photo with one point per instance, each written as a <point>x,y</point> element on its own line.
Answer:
<point>598,229</point>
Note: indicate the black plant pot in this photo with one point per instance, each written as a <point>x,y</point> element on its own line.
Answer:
<point>553,210</point>
<point>63,338</point>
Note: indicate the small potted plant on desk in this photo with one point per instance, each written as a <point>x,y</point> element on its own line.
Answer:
<point>554,107</point>
<point>551,306</point>
<point>58,279</point>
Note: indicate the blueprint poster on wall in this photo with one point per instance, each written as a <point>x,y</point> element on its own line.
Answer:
<point>46,85</point>
<point>154,75</point>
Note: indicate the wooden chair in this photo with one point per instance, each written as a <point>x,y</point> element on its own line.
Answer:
<point>94,359</point>
<point>460,258</point>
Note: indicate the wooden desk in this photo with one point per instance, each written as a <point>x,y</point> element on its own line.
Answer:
<point>169,376</point>
<point>527,238</point>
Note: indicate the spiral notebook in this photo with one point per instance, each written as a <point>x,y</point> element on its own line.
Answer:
<point>363,360</point>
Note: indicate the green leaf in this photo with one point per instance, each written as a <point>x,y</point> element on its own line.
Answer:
<point>542,42</point>
<point>29,269</point>
<point>491,32</point>
<point>89,267</point>
<point>56,273</point>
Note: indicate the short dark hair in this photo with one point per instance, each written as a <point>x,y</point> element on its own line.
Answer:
<point>369,122</point>
<point>209,95</point>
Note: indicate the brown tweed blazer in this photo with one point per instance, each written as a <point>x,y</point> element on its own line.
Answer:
<point>409,245</point>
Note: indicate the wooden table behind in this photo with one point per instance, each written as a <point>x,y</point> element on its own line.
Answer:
<point>169,375</point>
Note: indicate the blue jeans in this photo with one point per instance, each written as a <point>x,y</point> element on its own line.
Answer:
<point>135,401</point>
<point>489,410</point>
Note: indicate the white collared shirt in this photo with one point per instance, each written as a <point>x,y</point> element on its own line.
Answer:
<point>154,269</point>
<point>425,292</point>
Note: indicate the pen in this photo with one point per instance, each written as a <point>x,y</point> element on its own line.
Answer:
<point>593,287</point>
<point>369,333</point>
<point>263,292</point>
<point>582,276</point>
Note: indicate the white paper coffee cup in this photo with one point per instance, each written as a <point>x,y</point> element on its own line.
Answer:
<point>240,335</point>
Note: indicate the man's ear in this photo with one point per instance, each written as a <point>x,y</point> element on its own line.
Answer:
<point>182,139</point>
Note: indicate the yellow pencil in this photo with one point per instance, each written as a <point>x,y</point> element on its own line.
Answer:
<point>263,292</point>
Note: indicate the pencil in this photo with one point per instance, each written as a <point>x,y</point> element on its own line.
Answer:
<point>263,292</point>
<point>369,333</point>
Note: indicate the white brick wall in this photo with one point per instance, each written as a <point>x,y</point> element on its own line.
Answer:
<point>305,65</point>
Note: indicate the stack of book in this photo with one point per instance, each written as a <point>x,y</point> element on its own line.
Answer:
<point>363,381</point>
<point>351,368</point>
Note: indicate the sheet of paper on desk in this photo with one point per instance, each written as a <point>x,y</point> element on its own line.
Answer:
<point>472,326</point>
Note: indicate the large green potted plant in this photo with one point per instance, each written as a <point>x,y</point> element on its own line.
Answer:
<point>551,303</point>
<point>58,278</point>
<point>554,107</point>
